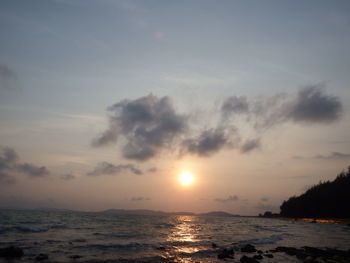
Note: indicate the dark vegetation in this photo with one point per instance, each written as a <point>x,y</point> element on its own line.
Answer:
<point>324,200</point>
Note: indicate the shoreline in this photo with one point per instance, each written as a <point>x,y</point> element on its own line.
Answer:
<point>335,221</point>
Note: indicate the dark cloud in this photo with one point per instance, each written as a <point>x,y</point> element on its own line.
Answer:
<point>111,169</point>
<point>32,170</point>
<point>231,198</point>
<point>67,177</point>
<point>8,157</point>
<point>208,142</point>
<point>140,198</point>
<point>7,77</point>
<point>148,125</point>
<point>312,105</point>
<point>250,145</point>
<point>109,136</point>
<point>9,164</point>
<point>234,104</point>
<point>333,156</point>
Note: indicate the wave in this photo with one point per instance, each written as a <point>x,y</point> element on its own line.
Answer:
<point>127,246</point>
<point>29,229</point>
<point>271,229</point>
<point>121,236</point>
<point>261,241</point>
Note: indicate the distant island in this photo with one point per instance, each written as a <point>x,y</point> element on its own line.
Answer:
<point>162,213</point>
<point>143,212</point>
<point>324,200</point>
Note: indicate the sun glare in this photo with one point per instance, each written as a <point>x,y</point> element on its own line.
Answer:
<point>186,178</point>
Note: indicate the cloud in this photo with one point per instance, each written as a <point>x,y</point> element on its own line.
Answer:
<point>231,198</point>
<point>32,170</point>
<point>207,143</point>
<point>105,168</point>
<point>265,207</point>
<point>7,77</point>
<point>8,158</point>
<point>312,105</point>
<point>148,125</point>
<point>152,170</point>
<point>250,145</point>
<point>67,177</point>
<point>235,105</point>
<point>264,199</point>
<point>139,198</point>
<point>9,164</point>
<point>6,178</point>
<point>333,156</point>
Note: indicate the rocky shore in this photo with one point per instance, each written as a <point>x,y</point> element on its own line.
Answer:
<point>243,254</point>
<point>305,254</point>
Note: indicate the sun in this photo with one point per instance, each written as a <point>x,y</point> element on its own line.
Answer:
<point>186,178</point>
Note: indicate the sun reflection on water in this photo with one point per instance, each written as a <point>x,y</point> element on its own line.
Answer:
<point>183,234</point>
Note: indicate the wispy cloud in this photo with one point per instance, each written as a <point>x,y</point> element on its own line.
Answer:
<point>250,145</point>
<point>231,198</point>
<point>106,168</point>
<point>333,156</point>
<point>264,199</point>
<point>67,177</point>
<point>7,78</point>
<point>139,199</point>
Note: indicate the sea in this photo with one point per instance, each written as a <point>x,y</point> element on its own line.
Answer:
<point>67,236</point>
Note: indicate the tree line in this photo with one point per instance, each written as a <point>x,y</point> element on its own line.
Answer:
<point>329,199</point>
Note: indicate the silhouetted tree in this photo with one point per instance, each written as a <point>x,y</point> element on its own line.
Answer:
<point>324,200</point>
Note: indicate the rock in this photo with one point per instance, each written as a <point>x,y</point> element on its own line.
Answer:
<point>75,256</point>
<point>11,252</point>
<point>226,253</point>
<point>316,252</point>
<point>161,248</point>
<point>319,260</point>
<point>41,257</point>
<point>213,245</point>
<point>301,255</point>
<point>291,251</point>
<point>248,248</point>
<point>260,252</point>
<point>259,257</point>
<point>268,255</point>
<point>308,260</point>
<point>246,259</point>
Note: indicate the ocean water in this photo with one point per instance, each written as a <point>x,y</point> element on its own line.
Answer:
<point>97,237</point>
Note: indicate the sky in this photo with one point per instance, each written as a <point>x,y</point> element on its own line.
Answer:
<point>104,104</point>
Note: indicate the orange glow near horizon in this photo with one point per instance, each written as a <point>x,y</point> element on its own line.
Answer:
<point>186,178</point>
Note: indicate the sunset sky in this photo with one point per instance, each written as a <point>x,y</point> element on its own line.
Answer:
<point>104,104</point>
